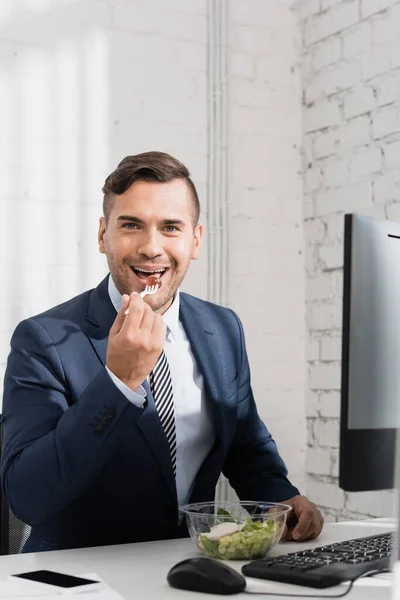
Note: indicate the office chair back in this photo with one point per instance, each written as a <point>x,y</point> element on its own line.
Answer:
<point>13,532</point>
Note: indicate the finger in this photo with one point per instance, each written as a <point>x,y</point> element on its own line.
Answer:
<point>317,527</point>
<point>291,519</point>
<point>284,533</point>
<point>289,536</point>
<point>120,318</point>
<point>159,328</point>
<point>314,533</point>
<point>307,535</point>
<point>159,332</point>
<point>148,318</point>
<point>320,525</point>
<point>305,519</point>
<point>135,314</point>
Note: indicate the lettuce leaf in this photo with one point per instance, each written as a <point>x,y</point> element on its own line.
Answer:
<point>221,512</point>
<point>257,525</point>
<point>253,541</point>
<point>209,546</point>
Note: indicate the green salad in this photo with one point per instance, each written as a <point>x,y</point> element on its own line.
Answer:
<point>237,541</point>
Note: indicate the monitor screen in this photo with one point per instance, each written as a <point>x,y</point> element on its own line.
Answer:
<point>370,390</point>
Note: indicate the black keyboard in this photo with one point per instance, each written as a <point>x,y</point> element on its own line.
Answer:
<point>327,565</point>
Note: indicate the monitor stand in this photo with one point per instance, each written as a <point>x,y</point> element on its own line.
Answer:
<point>396,554</point>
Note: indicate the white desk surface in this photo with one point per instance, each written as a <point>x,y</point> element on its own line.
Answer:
<point>140,570</point>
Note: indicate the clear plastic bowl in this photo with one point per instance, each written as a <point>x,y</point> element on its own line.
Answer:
<point>248,531</point>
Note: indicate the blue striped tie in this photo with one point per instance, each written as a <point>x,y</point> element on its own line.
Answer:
<point>161,388</point>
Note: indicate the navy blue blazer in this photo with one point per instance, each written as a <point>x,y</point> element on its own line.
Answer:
<point>85,467</point>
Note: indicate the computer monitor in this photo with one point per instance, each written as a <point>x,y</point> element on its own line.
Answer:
<point>370,390</point>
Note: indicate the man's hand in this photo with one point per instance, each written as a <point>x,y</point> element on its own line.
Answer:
<point>304,521</point>
<point>135,342</point>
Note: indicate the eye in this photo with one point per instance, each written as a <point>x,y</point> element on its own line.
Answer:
<point>130,225</point>
<point>171,228</point>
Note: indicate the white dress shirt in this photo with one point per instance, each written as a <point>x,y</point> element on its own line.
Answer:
<point>195,434</point>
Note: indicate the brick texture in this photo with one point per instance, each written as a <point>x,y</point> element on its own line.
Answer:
<point>83,84</point>
<point>351,80</point>
<point>266,211</point>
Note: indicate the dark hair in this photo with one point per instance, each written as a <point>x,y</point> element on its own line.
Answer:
<point>148,166</point>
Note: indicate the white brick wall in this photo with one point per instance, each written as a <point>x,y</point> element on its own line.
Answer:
<point>82,84</point>
<point>351,74</point>
<point>266,229</point>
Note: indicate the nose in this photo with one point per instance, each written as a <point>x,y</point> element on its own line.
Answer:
<point>150,244</point>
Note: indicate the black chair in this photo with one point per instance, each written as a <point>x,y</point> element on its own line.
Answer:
<point>13,532</point>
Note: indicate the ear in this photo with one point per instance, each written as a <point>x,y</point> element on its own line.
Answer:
<point>100,235</point>
<point>198,237</point>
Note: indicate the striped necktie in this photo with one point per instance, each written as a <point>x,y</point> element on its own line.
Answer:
<point>161,388</point>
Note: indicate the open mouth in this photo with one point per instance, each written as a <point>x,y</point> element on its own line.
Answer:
<point>144,275</point>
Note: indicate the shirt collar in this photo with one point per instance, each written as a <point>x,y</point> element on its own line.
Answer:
<point>171,316</point>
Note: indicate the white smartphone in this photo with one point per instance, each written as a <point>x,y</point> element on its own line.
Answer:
<point>60,582</point>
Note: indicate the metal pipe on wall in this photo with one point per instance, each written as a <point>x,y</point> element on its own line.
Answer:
<point>210,145</point>
<point>218,204</point>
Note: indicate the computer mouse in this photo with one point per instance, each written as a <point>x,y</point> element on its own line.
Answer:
<point>206,575</point>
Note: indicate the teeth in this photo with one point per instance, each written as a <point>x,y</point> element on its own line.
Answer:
<point>143,271</point>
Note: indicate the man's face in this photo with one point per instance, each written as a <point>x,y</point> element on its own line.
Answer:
<point>150,228</point>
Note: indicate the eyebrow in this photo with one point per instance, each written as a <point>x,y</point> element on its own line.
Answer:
<point>141,222</point>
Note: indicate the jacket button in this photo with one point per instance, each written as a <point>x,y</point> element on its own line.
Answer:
<point>99,428</point>
<point>108,411</point>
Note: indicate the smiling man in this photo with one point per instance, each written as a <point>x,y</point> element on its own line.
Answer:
<point>118,409</point>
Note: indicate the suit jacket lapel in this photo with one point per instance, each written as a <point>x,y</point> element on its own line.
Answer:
<point>101,315</point>
<point>206,345</point>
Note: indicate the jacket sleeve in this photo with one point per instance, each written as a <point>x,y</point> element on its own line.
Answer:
<point>254,466</point>
<point>52,450</point>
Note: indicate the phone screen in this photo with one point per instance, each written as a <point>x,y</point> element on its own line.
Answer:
<point>54,578</point>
